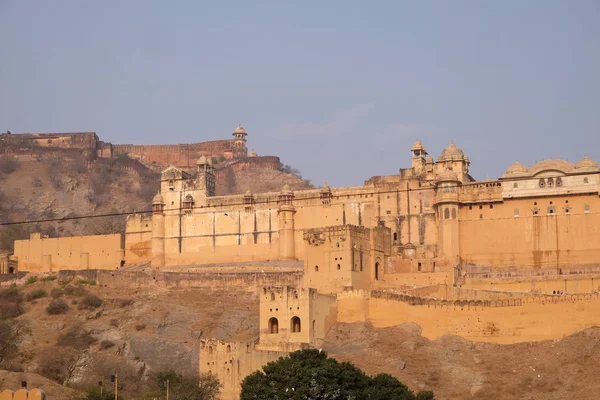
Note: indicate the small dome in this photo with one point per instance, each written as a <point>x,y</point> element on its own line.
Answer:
<point>417,146</point>
<point>158,199</point>
<point>239,129</point>
<point>451,153</point>
<point>202,160</point>
<point>326,188</point>
<point>248,193</point>
<point>286,189</point>
<point>253,154</point>
<point>586,164</point>
<point>209,160</point>
<point>516,168</point>
<point>429,160</point>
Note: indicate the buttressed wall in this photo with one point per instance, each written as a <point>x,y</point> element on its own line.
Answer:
<point>38,254</point>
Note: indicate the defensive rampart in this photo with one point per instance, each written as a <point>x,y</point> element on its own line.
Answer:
<point>529,317</point>
<point>242,281</point>
<point>180,155</point>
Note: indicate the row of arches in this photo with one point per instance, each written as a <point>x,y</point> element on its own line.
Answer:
<point>295,325</point>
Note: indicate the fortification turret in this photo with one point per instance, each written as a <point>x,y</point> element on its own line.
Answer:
<point>286,213</point>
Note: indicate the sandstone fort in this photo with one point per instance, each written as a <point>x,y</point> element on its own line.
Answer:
<point>508,260</point>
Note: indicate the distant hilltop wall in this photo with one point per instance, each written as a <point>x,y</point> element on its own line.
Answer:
<point>262,162</point>
<point>179,155</point>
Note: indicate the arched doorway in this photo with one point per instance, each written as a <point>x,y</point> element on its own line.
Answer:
<point>273,325</point>
<point>295,325</point>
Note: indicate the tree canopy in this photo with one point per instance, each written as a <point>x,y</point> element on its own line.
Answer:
<point>310,374</point>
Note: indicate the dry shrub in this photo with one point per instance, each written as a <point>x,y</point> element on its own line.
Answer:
<point>57,306</point>
<point>55,293</point>
<point>77,338</point>
<point>37,294</point>
<point>91,302</point>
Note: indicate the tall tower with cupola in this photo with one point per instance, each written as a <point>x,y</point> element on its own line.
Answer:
<point>239,142</point>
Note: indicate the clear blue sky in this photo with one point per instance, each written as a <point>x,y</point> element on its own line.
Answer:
<point>338,89</point>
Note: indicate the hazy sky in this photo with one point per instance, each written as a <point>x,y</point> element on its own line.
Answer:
<point>338,89</point>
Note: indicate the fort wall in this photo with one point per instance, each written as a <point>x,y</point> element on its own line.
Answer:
<point>529,318</point>
<point>38,254</point>
<point>242,281</point>
<point>561,234</point>
<point>231,362</point>
<point>180,155</point>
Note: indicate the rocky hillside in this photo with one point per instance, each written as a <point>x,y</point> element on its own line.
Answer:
<point>76,332</point>
<point>455,368</point>
<point>52,186</point>
<point>102,329</point>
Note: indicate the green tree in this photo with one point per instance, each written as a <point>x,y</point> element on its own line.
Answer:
<point>310,374</point>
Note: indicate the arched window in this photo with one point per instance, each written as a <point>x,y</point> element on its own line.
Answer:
<point>550,182</point>
<point>585,180</point>
<point>536,211</point>
<point>551,210</point>
<point>395,235</point>
<point>516,212</point>
<point>229,348</point>
<point>542,183</point>
<point>558,182</point>
<point>376,271</point>
<point>273,325</point>
<point>454,213</point>
<point>586,208</point>
<point>515,185</point>
<point>272,296</point>
<point>210,350</point>
<point>316,268</point>
<point>446,213</point>
<point>188,203</point>
<point>11,270</point>
<point>567,210</point>
<point>295,325</point>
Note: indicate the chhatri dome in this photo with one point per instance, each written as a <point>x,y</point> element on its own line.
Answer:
<point>587,164</point>
<point>239,129</point>
<point>417,146</point>
<point>158,199</point>
<point>451,153</point>
<point>516,169</point>
<point>202,160</point>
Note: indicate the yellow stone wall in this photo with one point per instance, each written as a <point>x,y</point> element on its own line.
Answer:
<point>498,238</point>
<point>39,254</point>
<point>292,316</point>
<point>533,318</point>
<point>231,362</point>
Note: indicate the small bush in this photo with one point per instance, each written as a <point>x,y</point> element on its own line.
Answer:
<point>77,338</point>
<point>90,282</point>
<point>31,280</point>
<point>37,294</point>
<point>125,302</point>
<point>10,302</point>
<point>8,165</point>
<point>10,292</point>
<point>91,301</point>
<point>49,278</point>
<point>57,306</point>
<point>140,327</point>
<point>65,282</point>
<point>106,344</point>
<point>55,293</point>
<point>75,291</point>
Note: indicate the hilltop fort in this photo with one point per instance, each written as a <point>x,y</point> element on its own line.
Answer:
<point>509,260</point>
